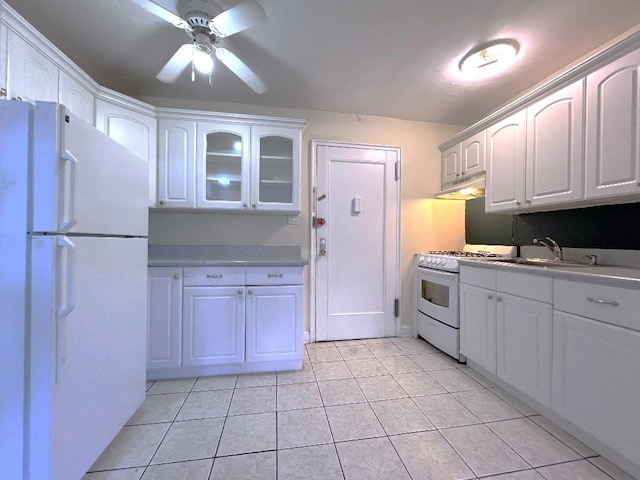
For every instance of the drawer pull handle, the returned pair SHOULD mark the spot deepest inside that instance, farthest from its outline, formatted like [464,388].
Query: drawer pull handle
[275,275]
[215,275]
[603,302]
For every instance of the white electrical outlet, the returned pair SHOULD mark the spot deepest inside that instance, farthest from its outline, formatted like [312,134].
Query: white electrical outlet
[293,219]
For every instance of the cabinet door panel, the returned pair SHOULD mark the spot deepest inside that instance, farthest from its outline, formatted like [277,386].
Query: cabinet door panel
[222,166]
[275,169]
[450,164]
[506,164]
[274,323]
[524,345]
[472,155]
[76,97]
[613,129]
[164,310]
[596,380]
[554,147]
[176,163]
[30,75]
[478,326]
[213,329]
[133,130]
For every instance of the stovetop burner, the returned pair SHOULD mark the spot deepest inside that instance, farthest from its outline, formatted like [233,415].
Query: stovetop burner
[447,259]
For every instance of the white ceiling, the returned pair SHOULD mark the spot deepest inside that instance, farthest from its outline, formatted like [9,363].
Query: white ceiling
[392,58]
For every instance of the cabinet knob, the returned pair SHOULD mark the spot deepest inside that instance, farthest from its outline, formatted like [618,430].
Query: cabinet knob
[215,275]
[518,202]
[240,292]
[249,292]
[161,202]
[528,201]
[244,205]
[176,277]
[275,275]
[3,92]
[498,299]
[254,205]
[490,297]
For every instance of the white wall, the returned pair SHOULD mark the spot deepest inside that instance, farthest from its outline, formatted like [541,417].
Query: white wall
[425,223]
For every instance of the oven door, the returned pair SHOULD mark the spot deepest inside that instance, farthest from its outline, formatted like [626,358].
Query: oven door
[438,295]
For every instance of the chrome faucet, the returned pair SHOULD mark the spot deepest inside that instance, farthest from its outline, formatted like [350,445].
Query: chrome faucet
[551,245]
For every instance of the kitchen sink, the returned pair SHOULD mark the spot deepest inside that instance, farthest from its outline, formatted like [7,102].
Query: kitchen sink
[542,262]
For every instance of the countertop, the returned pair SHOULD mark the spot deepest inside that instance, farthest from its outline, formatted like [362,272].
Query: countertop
[224,255]
[601,274]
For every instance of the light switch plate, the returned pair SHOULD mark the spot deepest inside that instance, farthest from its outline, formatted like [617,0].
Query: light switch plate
[293,219]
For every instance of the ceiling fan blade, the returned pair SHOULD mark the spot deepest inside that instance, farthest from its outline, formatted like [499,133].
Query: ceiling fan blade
[241,69]
[237,19]
[162,13]
[176,64]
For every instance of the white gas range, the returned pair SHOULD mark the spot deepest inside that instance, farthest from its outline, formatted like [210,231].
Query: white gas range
[438,320]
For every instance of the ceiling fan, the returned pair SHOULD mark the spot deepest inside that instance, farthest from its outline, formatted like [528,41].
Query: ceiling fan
[206,23]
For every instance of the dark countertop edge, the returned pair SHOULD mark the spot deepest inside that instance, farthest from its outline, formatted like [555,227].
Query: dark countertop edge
[227,262]
[608,275]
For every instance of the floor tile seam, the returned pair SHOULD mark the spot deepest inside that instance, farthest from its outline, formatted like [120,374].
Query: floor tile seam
[463,406]
[588,459]
[566,462]
[550,433]
[499,438]
[562,441]
[155,452]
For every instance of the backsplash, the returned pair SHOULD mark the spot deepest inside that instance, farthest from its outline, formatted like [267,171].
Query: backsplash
[612,231]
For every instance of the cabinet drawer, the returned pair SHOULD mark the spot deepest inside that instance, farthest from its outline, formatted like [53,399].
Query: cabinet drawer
[213,276]
[615,305]
[534,287]
[274,275]
[480,277]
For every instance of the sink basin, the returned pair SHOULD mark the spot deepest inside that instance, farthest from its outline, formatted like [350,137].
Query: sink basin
[542,262]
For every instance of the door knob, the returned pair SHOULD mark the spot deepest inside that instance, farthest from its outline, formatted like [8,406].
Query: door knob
[323,247]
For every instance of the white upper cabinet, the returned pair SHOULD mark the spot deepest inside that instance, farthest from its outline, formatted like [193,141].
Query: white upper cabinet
[554,157]
[3,61]
[613,129]
[176,163]
[275,169]
[535,156]
[506,150]
[73,95]
[247,167]
[464,160]
[31,75]
[450,164]
[133,129]
[223,155]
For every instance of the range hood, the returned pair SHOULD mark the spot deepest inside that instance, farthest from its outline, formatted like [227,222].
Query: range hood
[472,187]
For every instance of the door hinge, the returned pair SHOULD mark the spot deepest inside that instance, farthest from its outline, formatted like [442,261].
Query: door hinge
[397,171]
[396,307]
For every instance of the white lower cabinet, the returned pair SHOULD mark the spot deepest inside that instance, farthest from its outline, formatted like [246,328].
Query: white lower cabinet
[478,325]
[596,380]
[164,312]
[274,331]
[524,345]
[506,329]
[227,320]
[213,326]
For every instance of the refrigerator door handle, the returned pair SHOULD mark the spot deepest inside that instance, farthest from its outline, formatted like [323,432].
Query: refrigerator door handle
[68,191]
[67,295]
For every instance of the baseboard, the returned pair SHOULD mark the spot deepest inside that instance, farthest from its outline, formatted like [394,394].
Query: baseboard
[305,337]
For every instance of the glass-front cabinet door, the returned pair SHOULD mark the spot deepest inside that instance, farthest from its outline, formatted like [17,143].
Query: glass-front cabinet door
[223,168]
[275,169]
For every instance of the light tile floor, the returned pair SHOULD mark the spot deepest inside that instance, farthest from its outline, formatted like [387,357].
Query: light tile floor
[365,409]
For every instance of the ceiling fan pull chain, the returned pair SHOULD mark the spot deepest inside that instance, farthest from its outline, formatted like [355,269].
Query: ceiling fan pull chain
[211,78]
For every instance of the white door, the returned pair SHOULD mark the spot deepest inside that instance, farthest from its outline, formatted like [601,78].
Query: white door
[164,317]
[356,250]
[478,325]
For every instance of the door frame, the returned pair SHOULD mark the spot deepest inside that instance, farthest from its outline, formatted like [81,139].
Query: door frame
[313,234]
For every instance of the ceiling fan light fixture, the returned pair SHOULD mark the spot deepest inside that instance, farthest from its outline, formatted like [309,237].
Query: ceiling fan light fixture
[489,58]
[202,60]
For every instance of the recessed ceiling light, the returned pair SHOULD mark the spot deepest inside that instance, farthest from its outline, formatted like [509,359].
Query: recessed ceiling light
[490,57]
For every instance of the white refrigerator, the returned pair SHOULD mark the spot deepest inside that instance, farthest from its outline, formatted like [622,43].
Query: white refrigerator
[73,263]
